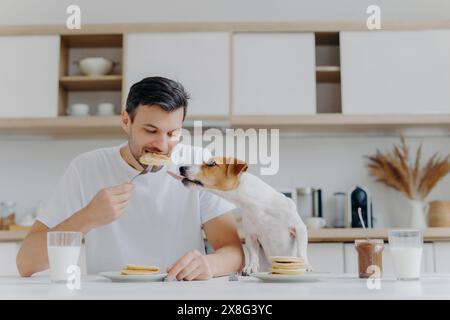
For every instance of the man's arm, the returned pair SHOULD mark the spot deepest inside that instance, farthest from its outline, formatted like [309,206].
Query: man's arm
[228,257]
[32,256]
[106,206]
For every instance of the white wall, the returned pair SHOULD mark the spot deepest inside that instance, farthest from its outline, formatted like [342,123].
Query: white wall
[14,12]
[30,169]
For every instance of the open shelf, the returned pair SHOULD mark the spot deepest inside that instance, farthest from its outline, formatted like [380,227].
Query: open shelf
[92,41]
[327,38]
[87,83]
[72,84]
[328,74]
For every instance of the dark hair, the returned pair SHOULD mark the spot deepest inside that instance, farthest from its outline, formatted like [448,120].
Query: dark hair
[165,93]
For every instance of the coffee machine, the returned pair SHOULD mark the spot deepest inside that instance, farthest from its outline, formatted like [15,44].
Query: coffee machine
[359,197]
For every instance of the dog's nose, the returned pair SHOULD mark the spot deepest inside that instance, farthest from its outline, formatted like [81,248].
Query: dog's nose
[183,171]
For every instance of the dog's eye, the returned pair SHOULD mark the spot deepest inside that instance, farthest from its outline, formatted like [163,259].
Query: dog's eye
[211,164]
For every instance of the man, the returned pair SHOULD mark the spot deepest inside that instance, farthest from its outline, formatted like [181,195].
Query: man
[155,220]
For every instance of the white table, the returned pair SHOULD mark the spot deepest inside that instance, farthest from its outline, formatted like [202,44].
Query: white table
[431,286]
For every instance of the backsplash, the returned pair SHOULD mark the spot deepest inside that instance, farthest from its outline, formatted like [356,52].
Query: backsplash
[29,169]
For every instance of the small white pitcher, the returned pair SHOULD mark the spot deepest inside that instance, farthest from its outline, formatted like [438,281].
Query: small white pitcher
[418,214]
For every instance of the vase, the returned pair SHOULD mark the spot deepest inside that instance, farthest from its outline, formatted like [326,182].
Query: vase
[418,212]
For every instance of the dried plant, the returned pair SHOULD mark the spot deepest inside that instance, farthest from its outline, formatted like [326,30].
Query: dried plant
[394,170]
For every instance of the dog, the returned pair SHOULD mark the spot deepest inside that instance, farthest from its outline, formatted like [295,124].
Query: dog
[270,219]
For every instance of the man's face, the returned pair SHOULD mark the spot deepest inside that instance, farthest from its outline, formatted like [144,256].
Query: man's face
[153,130]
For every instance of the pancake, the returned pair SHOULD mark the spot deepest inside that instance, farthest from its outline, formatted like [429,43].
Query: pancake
[137,272]
[154,159]
[287,272]
[132,269]
[141,267]
[287,265]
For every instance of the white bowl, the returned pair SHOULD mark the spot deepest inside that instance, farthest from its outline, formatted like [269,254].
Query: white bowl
[95,66]
[105,109]
[78,110]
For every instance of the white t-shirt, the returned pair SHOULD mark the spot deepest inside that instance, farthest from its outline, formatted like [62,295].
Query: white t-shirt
[161,223]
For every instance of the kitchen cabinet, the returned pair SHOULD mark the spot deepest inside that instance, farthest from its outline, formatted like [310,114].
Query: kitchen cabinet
[442,256]
[200,61]
[274,74]
[29,68]
[351,259]
[326,257]
[8,253]
[395,72]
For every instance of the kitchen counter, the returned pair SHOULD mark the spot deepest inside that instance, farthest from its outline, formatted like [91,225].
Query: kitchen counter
[316,235]
[431,286]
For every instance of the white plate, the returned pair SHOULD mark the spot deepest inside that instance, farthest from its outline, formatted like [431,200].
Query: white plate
[307,277]
[116,276]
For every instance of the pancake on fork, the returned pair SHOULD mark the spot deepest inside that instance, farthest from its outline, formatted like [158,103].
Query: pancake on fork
[154,159]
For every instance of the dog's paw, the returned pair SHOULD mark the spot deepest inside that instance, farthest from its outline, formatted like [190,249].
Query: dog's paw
[251,268]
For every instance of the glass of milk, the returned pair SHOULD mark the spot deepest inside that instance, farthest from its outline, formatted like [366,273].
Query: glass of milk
[63,250]
[406,249]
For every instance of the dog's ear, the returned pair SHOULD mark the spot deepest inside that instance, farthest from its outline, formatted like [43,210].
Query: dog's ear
[236,167]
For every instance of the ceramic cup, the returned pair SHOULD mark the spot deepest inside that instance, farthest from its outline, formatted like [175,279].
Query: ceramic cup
[105,109]
[78,109]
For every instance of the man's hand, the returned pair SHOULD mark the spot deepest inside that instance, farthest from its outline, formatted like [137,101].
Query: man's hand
[108,205]
[192,266]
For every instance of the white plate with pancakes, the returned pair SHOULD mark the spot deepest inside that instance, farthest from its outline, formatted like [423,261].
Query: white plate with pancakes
[135,273]
[116,276]
[270,277]
[286,269]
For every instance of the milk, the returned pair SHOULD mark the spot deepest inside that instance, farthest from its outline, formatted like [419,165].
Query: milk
[60,258]
[407,262]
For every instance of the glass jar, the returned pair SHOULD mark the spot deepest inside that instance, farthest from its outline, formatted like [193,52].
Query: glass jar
[370,257]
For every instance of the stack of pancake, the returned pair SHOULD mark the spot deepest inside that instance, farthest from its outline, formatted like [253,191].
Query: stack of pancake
[287,265]
[131,269]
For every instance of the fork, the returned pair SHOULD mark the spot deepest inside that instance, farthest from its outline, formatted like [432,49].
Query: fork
[145,171]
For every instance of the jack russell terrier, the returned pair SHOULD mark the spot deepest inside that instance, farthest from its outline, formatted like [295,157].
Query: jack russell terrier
[270,220]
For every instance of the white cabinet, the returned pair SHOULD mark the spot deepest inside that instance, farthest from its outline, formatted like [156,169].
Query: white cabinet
[8,252]
[351,259]
[395,72]
[200,61]
[326,257]
[442,256]
[274,74]
[29,69]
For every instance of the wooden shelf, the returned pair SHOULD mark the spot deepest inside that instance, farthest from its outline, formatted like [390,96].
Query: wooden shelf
[328,74]
[349,235]
[274,26]
[314,235]
[109,127]
[88,83]
[327,38]
[331,122]
[64,126]
[93,41]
